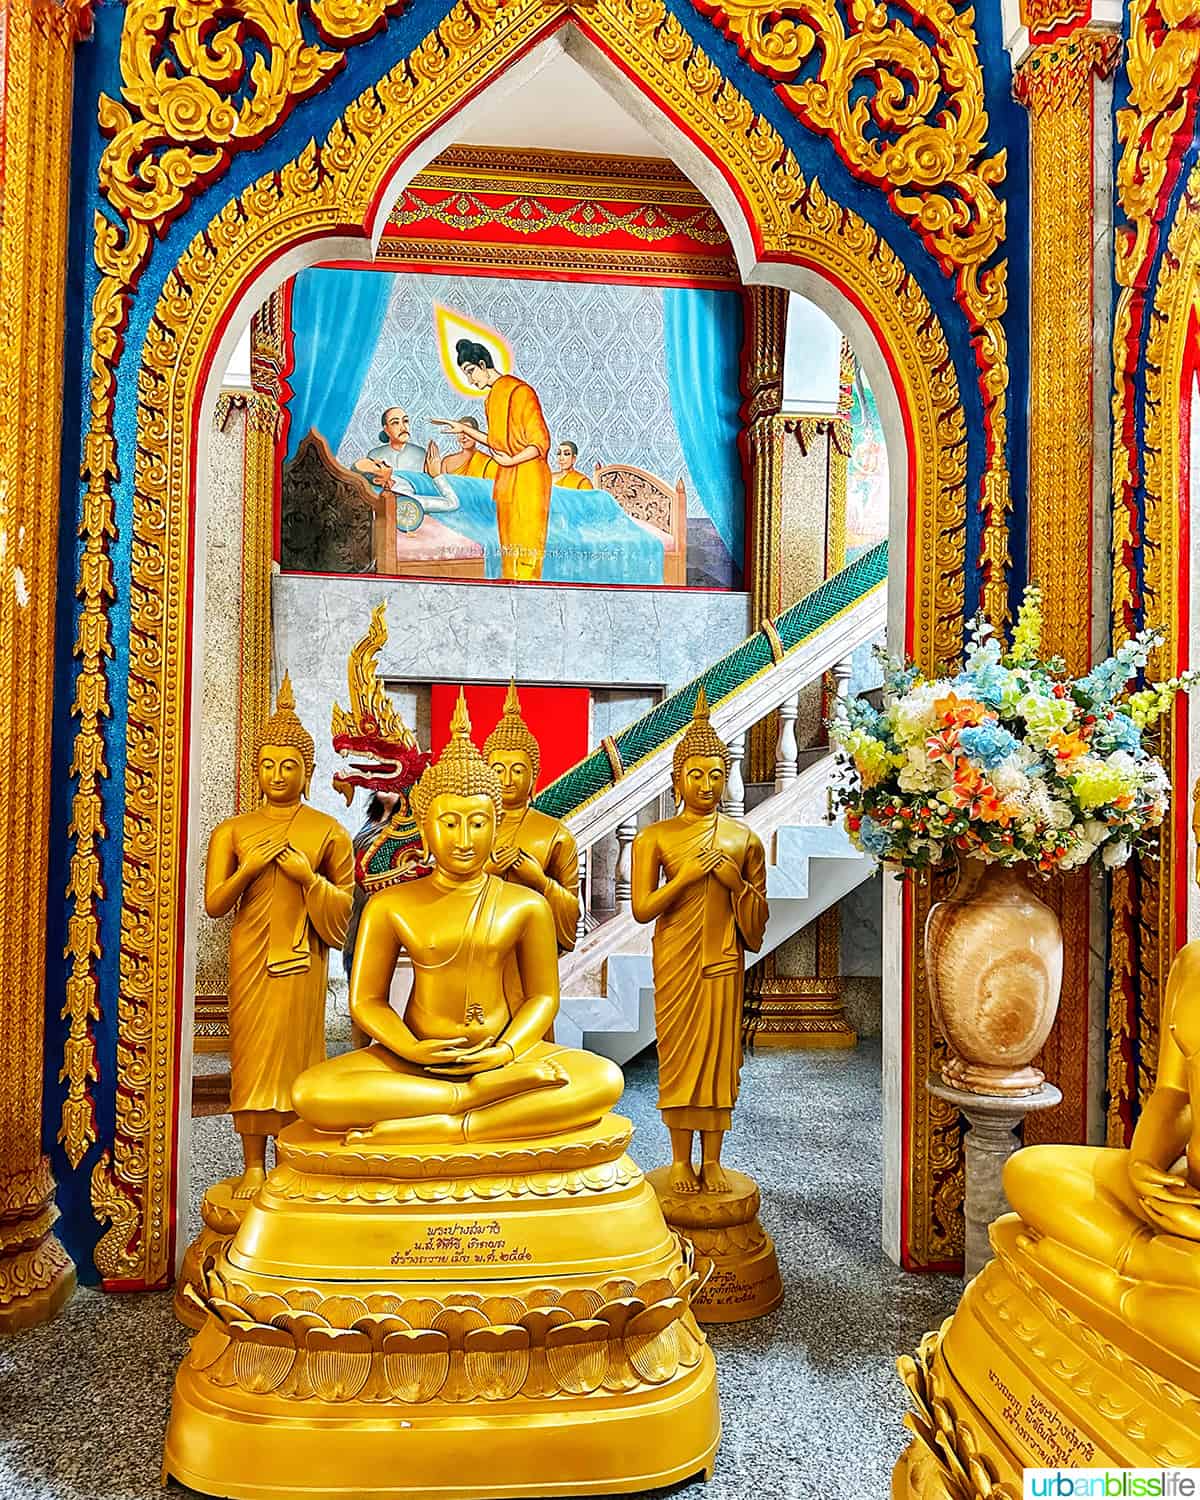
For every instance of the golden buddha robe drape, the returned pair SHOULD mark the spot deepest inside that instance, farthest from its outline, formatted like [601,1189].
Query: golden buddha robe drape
[522,492]
[551,844]
[699,958]
[278,959]
[573,480]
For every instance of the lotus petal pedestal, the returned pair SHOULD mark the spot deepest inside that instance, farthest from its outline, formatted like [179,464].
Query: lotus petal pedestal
[726,1236]
[1030,1372]
[494,1320]
[221,1215]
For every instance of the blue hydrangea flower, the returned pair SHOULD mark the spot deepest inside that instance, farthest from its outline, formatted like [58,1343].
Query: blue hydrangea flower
[987,744]
[873,837]
[1118,733]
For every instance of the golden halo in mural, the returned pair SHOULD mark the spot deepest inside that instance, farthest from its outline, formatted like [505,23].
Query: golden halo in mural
[450,325]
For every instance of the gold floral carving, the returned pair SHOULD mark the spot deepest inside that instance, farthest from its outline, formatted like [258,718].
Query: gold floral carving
[1043,15]
[903,102]
[1162,65]
[326,188]
[1055,83]
[38,46]
[951,1444]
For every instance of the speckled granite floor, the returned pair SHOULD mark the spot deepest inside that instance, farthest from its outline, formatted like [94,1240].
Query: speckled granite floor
[811,1403]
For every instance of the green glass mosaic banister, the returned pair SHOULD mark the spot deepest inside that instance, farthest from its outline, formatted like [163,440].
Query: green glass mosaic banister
[653,730]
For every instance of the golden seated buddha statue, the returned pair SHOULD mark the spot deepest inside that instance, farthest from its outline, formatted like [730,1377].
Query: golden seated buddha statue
[1078,1346]
[455,1280]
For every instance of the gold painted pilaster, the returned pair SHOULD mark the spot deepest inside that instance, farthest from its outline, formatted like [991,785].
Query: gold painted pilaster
[762,437]
[36,1274]
[1056,85]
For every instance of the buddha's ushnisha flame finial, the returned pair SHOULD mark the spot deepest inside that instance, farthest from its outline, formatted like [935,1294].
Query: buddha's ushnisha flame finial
[285,728]
[512,732]
[699,738]
[459,770]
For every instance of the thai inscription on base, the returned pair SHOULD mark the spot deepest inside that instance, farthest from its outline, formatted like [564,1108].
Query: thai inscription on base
[459,1242]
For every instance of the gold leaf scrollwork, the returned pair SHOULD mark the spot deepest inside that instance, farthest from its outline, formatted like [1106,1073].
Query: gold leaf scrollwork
[903,103]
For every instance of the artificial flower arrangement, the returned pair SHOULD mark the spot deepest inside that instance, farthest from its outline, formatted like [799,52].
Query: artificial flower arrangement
[1009,761]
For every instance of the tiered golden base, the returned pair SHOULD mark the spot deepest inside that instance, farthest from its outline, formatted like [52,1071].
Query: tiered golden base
[221,1214]
[1031,1373]
[725,1234]
[495,1320]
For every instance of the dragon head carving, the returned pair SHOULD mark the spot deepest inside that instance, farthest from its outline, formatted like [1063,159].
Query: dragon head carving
[379,752]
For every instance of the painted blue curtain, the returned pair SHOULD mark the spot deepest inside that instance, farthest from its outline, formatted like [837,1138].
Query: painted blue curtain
[336,319]
[702,332]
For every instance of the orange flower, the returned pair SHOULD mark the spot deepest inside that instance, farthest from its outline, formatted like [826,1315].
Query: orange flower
[942,746]
[959,712]
[1068,746]
[977,798]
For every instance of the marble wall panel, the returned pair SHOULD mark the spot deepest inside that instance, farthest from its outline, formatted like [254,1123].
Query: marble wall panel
[641,641]
[222,654]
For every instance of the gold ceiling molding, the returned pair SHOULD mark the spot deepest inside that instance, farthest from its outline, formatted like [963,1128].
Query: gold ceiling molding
[904,103]
[520,169]
[323,191]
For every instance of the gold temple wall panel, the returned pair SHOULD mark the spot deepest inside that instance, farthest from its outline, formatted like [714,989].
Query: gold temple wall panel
[331,188]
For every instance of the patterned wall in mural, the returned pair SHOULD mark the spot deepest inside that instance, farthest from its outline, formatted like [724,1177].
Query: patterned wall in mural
[594,354]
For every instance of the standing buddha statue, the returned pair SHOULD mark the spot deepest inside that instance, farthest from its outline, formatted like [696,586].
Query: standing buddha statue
[710,907]
[289,871]
[532,848]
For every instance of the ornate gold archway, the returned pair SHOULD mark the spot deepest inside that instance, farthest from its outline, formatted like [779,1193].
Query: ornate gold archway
[334,189]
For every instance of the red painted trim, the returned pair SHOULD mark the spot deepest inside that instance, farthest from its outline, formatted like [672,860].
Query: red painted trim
[528,273]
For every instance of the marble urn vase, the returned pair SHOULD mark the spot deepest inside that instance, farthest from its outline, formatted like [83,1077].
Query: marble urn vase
[993,953]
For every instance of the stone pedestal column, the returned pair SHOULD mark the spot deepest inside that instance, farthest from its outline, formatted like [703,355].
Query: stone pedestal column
[993,1120]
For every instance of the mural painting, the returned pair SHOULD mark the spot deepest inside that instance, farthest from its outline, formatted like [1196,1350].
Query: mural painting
[528,430]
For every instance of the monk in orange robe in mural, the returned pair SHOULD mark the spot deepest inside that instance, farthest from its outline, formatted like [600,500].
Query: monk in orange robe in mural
[568,476]
[469,460]
[519,441]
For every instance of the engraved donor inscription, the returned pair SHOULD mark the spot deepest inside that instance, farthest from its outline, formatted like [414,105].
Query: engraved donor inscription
[1042,1428]
[477,1242]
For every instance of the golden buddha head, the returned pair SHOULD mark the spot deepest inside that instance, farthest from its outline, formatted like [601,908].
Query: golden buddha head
[457,803]
[700,765]
[284,753]
[512,754]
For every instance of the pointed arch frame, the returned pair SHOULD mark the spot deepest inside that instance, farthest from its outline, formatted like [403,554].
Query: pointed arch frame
[340,190]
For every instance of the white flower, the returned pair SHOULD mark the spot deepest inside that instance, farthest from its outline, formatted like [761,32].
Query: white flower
[1009,779]
[912,716]
[1116,853]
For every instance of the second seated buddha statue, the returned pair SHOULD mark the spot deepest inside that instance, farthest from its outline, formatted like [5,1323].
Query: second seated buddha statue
[1079,1344]
[455,1280]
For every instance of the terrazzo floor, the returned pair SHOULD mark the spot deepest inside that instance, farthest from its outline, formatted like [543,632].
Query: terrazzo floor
[810,1400]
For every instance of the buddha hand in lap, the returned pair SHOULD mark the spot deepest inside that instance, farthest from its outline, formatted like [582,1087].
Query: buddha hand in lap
[460,1065]
[1124,1226]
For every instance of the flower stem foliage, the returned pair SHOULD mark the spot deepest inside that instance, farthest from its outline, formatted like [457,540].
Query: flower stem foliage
[1009,759]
